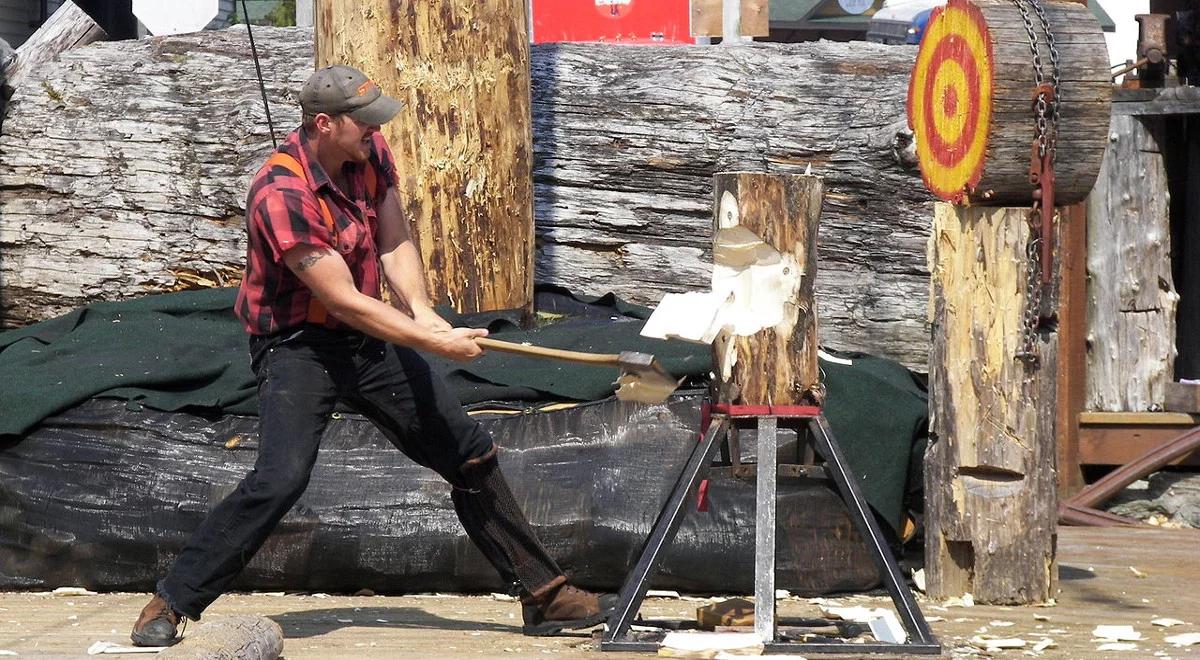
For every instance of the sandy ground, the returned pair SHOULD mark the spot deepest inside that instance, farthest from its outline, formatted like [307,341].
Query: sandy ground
[1106,577]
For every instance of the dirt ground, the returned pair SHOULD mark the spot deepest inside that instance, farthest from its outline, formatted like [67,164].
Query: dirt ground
[1106,577]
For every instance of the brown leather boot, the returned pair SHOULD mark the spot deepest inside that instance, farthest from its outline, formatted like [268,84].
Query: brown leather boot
[157,625]
[564,606]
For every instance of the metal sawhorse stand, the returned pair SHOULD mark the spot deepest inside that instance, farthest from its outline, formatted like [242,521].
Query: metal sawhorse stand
[767,420]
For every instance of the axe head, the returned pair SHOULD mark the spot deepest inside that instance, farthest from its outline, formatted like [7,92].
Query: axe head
[643,379]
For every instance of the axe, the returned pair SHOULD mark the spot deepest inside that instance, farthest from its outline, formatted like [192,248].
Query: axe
[642,378]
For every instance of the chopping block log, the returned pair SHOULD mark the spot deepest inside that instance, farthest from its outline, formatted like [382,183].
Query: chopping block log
[989,471]
[764,265]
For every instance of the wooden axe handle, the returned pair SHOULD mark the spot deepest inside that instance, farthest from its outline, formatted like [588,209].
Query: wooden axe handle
[609,359]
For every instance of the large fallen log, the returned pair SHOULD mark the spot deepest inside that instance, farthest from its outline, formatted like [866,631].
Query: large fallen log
[591,479]
[125,172]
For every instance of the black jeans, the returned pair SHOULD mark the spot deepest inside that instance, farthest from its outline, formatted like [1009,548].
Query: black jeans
[301,375]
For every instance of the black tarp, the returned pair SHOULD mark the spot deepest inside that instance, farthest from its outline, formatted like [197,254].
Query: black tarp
[104,497]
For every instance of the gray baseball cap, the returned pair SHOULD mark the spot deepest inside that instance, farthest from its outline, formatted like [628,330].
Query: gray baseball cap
[339,89]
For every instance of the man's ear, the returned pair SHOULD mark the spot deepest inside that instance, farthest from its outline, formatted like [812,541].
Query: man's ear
[323,122]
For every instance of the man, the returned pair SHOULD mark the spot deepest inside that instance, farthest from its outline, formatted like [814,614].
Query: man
[323,221]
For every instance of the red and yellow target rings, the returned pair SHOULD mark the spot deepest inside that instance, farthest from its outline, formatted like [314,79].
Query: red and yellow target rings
[950,99]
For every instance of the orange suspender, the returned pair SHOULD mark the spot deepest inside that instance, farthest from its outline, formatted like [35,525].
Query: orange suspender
[316,311]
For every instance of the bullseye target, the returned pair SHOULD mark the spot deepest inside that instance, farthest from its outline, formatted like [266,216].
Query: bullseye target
[950,100]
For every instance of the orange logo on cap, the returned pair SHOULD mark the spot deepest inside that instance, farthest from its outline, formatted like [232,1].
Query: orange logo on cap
[366,87]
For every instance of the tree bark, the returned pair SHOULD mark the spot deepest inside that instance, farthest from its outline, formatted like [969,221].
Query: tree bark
[989,471]
[765,253]
[130,178]
[1131,297]
[463,144]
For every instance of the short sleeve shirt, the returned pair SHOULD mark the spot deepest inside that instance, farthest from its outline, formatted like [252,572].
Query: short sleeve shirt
[284,211]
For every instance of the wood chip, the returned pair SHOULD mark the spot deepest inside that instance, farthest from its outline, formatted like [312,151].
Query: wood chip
[995,643]
[1044,644]
[1116,633]
[1167,623]
[1117,646]
[1186,639]
[1136,572]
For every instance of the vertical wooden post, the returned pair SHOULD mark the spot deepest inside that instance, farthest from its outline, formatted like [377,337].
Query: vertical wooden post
[463,144]
[989,472]
[1072,337]
[765,258]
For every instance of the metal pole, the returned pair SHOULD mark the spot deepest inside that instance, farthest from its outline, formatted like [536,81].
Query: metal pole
[764,530]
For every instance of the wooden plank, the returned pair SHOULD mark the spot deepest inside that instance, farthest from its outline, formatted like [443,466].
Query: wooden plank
[1139,419]
[756,18]
[1072,356]
[627,141]
[708,15]
[1122,444]
[464,141]
[69,27]
[990,489]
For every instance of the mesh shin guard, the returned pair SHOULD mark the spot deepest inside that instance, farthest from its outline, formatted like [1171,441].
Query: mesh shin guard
[495,524]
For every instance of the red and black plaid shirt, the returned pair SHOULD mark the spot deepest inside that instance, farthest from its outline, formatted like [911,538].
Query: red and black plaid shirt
[282,212]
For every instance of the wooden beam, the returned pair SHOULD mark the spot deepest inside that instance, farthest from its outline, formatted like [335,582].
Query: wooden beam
[1120,444]
[1072,337]
[463,144]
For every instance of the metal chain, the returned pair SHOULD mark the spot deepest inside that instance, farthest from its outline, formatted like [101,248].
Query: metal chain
[1052,137]
[1028,352]
[1047,118]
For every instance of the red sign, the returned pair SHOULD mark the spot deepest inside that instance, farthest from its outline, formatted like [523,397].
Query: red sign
[623,21]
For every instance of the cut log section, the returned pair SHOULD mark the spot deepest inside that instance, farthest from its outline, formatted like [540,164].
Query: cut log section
[764,266]
[989,472]
[970,101]
[230,638]
[462,144]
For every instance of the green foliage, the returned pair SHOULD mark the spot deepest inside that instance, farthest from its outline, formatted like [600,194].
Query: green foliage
[281,14]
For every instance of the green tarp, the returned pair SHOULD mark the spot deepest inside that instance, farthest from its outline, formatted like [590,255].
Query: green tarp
[187,352]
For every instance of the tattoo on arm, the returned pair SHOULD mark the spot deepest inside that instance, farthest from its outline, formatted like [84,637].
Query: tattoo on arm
[307,262]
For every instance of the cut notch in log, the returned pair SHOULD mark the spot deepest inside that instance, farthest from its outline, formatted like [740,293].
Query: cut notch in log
[765,264]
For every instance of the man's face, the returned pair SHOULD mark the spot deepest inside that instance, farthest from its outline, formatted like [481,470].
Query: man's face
[352,137]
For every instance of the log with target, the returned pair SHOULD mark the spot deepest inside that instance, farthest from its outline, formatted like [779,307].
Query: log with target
[971,97]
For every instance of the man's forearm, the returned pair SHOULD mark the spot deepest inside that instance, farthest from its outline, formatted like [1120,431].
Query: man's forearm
[403,271]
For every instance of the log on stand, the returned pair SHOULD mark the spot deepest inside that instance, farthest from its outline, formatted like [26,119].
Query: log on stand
[463,144]
[989,472]
[765,254]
